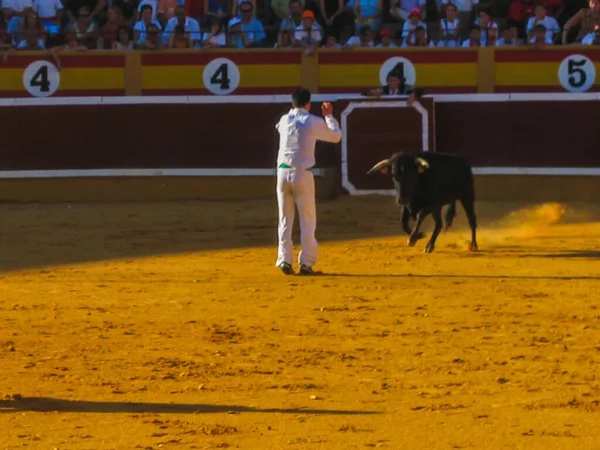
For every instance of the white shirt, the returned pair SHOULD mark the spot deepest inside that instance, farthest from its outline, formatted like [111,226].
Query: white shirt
[406,44]
[191,26]
[299,131]
[153,3]
[449,29]
[392,45]
[300,34]
[589,39]
[501,42]
[354,41]
[467,43]
[141,27]
[17,5]
[549,22]
[408,27]
[462,5]
[47,8]
[219,39]
[547,40]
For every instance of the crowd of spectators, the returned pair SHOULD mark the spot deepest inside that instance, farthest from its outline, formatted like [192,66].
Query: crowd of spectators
[162,24]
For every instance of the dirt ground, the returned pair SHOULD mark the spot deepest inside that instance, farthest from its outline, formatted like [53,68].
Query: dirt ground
[166,325]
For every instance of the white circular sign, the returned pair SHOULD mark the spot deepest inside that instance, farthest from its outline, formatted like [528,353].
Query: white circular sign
[221,76]
[41,78]
[577,73]
[401,65]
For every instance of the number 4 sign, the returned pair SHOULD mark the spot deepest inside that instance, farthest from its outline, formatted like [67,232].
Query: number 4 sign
[221,76]
[577,73]
[41,78]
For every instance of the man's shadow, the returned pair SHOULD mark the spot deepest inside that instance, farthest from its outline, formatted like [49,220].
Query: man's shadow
[44,404]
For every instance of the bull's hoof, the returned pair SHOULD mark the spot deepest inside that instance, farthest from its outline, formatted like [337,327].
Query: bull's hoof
[429,248]
[411,242]
[473,247]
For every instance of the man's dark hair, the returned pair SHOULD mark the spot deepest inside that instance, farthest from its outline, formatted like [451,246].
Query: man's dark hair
[300,97]
[145,6]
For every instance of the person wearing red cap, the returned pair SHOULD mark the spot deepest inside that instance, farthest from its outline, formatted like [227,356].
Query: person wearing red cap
[414,21]
[308,34]
[386,39]
[402,9]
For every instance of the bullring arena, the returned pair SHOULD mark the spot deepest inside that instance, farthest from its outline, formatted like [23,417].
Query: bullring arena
[140,306]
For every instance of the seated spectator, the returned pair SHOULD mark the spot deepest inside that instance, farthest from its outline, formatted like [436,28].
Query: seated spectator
[283,9]
[450,28]
[252,28]
[128,11]
[509,36]
[309,34]
[540,37]
[216,36]
[592,38]
[290,23]
[216,10]
[331,42]
[141,27]
[97,8]
[236,37]
[403,9]
[153,4]
[191,26]
[541,18]
[586,18]
[72,44]
[519,12]
[167,10]
[180,38]
[48,12]
[474,37]
[124,39]
[419,39]
[414,21]
[386,39]
[30,42]
[152,38]
[28,22]
[488,28]
[396,85]
[368,13]
[108,34]
[466,10]
[364,38]
[85,28]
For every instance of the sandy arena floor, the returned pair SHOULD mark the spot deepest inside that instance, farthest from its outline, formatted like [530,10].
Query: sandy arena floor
[126,326]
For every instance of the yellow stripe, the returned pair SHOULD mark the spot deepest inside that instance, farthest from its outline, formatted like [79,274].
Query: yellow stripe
[251,76]
[71,78]
[530,74]
[461,74]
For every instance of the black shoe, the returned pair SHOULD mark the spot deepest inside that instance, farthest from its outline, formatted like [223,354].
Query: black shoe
[286,268]
[305,270]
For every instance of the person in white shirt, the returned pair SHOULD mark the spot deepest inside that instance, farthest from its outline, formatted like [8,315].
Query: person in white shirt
[540,18]
[419,39]
[190,26]
[592,38]
[509,37]
[474,37]
[450,28]
[309,33]
[140,29]
[152,3]
[408,29]
[488,29]
[465,10]
[364,38]
[386,39]
[216,37]
[298,133]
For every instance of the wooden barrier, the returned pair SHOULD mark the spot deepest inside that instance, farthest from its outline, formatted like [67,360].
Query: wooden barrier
[270,71]
[522,146]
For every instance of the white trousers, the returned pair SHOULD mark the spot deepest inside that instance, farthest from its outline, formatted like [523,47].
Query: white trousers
[296,188]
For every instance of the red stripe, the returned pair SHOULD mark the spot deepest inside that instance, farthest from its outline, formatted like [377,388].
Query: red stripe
[68,93]
[534,89]
[201,59]
[430,90]
[549,55]
[443,56]
[240,91]
[66,61]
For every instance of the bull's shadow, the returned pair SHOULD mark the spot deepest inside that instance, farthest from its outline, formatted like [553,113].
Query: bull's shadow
[45,404]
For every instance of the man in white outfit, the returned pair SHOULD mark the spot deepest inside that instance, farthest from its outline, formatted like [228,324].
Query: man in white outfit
[298,133]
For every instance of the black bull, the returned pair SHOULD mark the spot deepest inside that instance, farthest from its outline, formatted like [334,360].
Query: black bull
[426,182]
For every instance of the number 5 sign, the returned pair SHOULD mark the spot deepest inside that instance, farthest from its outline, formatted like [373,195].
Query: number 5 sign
[221,76]
[577,73]
[41,78]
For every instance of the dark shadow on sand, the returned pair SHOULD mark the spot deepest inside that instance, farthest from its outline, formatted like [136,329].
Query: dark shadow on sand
[580,254]
[44,404]
[458,276]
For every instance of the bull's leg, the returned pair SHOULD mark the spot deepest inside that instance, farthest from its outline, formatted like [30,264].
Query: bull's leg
[405,226]
[415,235]
[468,205]
[450,214]
[437,217]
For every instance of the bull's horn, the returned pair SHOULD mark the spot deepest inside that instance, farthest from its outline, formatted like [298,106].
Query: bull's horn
[422,163]
[380,165]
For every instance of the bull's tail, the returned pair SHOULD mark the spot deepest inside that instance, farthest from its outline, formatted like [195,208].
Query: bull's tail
[450,215]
